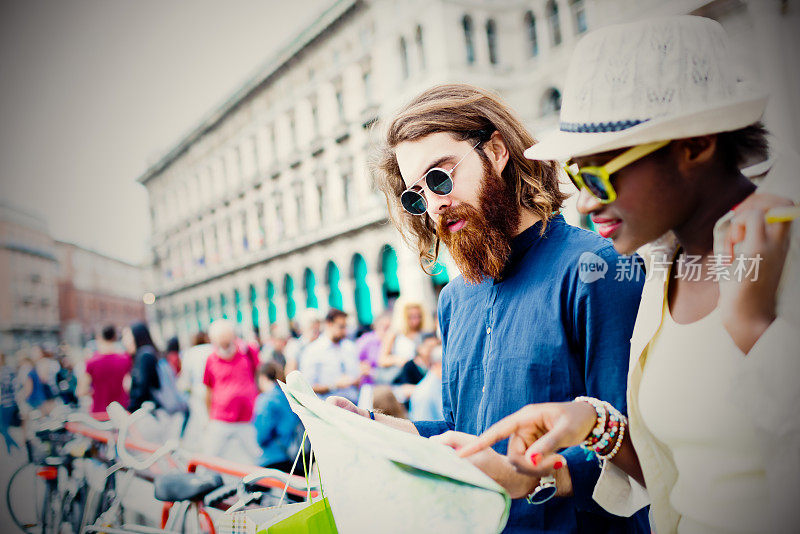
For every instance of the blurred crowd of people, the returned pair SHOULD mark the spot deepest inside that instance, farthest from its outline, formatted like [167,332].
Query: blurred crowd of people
[220,395]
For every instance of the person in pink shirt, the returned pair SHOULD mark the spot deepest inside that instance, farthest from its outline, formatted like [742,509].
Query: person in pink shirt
[106,371]
[231,392]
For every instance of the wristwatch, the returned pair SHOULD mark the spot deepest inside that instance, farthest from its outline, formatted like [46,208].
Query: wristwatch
[545,491]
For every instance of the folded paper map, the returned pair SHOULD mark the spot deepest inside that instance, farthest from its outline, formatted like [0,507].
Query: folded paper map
[380,479]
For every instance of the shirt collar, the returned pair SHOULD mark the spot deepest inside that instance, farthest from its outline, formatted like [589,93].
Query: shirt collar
[521,243]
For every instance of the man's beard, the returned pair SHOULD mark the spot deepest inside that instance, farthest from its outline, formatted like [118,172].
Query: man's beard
[482,247]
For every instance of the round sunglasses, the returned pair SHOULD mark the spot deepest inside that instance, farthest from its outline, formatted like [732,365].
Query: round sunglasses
[439,181]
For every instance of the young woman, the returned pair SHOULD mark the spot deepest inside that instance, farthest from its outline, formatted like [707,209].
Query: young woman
[139,344]
[656,126]
[400,345]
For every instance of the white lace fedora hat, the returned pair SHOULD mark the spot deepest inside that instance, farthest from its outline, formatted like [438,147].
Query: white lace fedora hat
[651,80]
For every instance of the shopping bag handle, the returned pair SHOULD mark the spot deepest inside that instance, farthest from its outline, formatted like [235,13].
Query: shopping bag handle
[306,470]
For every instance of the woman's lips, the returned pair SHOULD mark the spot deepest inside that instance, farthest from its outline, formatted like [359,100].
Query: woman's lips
[607,227]
[455,226]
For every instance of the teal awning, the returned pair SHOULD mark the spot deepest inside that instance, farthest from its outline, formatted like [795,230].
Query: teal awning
[362,297]
[223,304]
[310,284]
[334,293]
[288,290]
[391,284]
[440,276]
[272,310]
[237,302]
[254,306]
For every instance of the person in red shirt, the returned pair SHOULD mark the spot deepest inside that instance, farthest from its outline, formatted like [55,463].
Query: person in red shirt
[106,371]
[231,392]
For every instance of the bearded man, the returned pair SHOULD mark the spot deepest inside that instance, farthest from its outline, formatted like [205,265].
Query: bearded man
[542,312]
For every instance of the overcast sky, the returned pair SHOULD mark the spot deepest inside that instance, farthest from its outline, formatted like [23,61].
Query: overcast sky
[92,91]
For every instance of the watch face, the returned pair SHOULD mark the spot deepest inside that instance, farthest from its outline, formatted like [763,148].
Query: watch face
[542,493]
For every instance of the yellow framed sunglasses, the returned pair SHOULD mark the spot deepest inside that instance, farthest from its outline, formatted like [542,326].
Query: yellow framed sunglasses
[598,179]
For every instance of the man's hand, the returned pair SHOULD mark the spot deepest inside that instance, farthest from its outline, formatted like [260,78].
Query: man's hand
[345,404]
[493,464]
[401,424]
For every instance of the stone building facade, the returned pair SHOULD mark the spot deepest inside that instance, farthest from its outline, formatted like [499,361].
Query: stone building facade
[267,207]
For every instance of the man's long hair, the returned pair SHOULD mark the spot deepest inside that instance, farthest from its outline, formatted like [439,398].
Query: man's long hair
[471,114]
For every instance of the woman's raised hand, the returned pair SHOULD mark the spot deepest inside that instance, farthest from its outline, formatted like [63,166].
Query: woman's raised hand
[536,433]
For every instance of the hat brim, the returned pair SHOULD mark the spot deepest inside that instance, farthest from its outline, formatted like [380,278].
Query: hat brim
[724,117]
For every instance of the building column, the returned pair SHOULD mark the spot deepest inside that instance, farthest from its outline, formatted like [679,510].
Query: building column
[247,310]
[348,288]
[375,285]
[280,303]
[415,284]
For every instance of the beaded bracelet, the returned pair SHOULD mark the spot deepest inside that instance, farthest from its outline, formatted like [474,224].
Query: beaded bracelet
[608,440]
[618,444]
[599,429]
[606,437]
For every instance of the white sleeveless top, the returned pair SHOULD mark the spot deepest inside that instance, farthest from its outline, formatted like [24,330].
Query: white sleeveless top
[685,402]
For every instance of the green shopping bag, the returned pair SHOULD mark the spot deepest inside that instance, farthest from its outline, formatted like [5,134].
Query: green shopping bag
[310,517]
[316,517]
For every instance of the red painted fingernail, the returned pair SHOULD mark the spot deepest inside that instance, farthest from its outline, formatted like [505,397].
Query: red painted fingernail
[535,457]
[558,465]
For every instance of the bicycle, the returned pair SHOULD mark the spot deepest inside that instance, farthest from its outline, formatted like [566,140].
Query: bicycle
[52,480]
[110,506]
[187,496]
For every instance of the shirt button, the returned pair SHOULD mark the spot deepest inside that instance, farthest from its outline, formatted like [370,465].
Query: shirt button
[488,330]
[483,389]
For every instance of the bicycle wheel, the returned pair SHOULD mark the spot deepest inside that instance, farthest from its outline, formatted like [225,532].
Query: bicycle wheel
[51,509]
[109,511]
[72,511]
[25,494]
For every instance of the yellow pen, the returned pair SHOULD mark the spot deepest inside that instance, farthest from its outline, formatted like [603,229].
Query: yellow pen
[783,214]
[774,215]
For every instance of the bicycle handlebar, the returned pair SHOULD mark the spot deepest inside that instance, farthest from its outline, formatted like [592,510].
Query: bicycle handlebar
[121,419]
[88,420]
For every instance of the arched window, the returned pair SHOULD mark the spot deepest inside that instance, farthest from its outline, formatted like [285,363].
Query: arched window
[347,191]
[237,303]
[300,207]
[310,285]
[533,39]
[332,279]
[551,102]
[578,9]
[198,307]
[466,22]
[555,23]
[362,297]
[322,200]
[391,284]
[420,47]
[223,305]
[211,312]
[440,276]
[272,310]
[254,307]
[288,291]
[404,58]
[491,39]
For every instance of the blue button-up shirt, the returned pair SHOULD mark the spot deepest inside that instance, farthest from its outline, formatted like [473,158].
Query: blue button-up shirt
[557,325]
